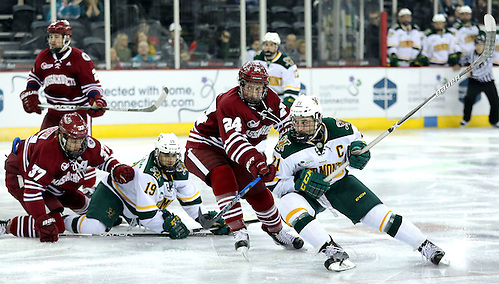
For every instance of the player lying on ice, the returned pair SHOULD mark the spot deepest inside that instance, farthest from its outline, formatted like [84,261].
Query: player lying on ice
[313,148]
[160,177]
[47,169]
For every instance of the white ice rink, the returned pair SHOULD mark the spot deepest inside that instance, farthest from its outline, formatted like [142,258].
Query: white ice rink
[444,180]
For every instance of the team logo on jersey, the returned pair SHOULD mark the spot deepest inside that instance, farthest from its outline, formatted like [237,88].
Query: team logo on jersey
[110,212]
[282,143]
[68,64]
[288,61]
[342,123]
[181,168]
[46,66]
[64,166]
[90,142]
[253,124]
[85,56]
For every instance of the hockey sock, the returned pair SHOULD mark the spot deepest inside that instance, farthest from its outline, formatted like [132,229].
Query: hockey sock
[23,226]
[84,225]
[311,230]
[225,188]
[76,201]
[262,202]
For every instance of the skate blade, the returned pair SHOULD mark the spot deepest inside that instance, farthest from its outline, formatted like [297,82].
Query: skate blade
[444,261]
[345,265]
[244,251]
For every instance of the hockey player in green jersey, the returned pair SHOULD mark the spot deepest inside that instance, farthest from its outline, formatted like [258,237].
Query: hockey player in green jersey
[313,148]
[283,73]
[160,178]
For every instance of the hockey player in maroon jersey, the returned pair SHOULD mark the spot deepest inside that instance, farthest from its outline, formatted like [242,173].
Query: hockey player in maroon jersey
[225,149]
[47,169]
[69,77]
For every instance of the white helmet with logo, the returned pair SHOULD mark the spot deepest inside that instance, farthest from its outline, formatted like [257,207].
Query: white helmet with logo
[306,106]
[167,143]
[272,37]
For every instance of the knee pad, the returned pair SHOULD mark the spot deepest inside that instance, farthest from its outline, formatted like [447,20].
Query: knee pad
[223,180]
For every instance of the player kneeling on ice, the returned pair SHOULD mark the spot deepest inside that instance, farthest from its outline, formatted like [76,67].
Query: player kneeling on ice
[313,148]
[160,177]
[47,169]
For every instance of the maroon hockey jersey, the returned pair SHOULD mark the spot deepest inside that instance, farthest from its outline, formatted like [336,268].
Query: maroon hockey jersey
[232,126]
[45,167]
[68,80]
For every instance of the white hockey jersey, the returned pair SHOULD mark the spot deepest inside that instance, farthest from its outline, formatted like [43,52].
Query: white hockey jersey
[495,55]
[290,156]
[437,47]
[151,190]
[283,74]
[406,44]
[465,36]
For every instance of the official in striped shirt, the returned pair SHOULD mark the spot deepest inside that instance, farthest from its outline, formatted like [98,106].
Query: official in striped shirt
[481,80]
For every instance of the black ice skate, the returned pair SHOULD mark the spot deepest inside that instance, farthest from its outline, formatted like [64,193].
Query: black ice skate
[433,253]
[338,259]
[242,243]
[285,239]
[3,226]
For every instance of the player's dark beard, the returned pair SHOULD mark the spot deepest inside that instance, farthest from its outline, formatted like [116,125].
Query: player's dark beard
[269,54]
[406,23]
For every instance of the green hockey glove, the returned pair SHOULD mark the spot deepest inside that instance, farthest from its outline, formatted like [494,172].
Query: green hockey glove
[312,183]
[219,227]
[358,161]
[394,60]
[288,101]
[174,226]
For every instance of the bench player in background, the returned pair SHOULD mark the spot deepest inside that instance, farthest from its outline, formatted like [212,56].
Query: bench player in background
[47,169]
[160,178]
[69,77]
[283,73]
[313,148]
[226,146]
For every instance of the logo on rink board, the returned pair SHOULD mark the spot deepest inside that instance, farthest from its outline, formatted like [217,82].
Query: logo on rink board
[1,100]
[385,93]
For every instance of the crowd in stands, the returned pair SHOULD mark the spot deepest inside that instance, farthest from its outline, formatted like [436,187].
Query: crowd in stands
[149,38]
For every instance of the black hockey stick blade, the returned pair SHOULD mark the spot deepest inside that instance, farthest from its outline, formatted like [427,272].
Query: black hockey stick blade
[150,108]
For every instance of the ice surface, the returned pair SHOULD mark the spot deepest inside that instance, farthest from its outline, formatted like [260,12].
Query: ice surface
[444,180]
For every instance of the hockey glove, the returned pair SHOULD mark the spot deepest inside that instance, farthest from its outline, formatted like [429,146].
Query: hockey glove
[358,161]
[312,183]
[122,173]
[30,101]
[97,101]
[174,226]
[257,166]
[288,101]
[454,58]
[46,227]
[219,227]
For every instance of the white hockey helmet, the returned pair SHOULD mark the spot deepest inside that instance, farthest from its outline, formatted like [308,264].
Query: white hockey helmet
[439,18]
[167,143]
[272,37]
[464,9]
[404,11]
[306,106]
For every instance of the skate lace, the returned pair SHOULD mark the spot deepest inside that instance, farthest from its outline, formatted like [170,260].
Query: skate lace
[3,227]
[241,235]
[334,252]
[285,237]
[429,250]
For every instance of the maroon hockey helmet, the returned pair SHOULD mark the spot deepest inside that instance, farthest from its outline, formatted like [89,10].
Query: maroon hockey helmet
[60,27]
[253,72]
[72,126]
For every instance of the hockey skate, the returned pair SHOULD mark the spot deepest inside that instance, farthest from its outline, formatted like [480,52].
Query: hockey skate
[285,239]
[3,226]
[242,242]
[338,259]
[433,253]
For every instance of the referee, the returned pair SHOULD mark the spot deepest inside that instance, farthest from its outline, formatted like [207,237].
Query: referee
[481,80]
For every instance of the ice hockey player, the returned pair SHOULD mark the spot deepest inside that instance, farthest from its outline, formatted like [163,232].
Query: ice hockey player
[69,77]
[160,178]
[226,148]
[312,149]
[283,73]
[47,169]
[403,40]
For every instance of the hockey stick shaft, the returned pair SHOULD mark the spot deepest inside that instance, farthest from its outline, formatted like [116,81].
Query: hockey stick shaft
[207,223]
[198,232]
[150,108]
[490,28]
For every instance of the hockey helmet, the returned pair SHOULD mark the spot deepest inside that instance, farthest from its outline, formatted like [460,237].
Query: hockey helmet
[465,9]
[404,11]
[63,28]
[73,135]
[256,73]
[305,107]
[438,18]
[167,143]
[272,37]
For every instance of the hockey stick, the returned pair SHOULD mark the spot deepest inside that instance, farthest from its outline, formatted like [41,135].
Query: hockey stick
[198,232]
[490,29]
[150,108]
[207,223]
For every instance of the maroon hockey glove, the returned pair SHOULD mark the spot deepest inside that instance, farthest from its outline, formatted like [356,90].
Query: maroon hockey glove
[257,165]
[46,227]
[122,173]
[97,101]
[271,175]
[30,101]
